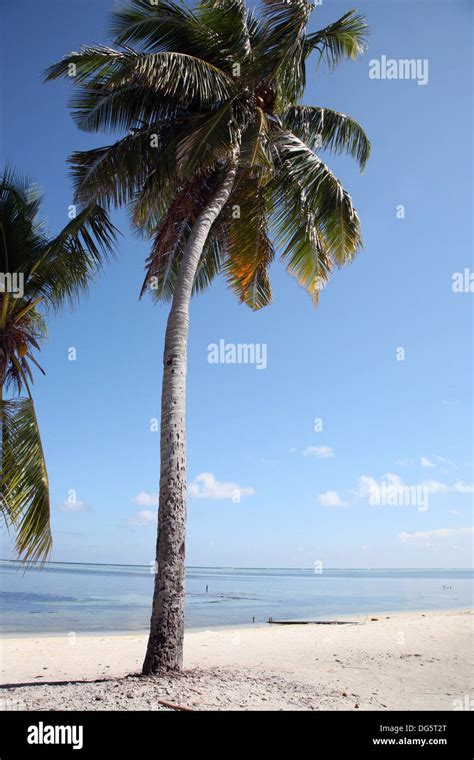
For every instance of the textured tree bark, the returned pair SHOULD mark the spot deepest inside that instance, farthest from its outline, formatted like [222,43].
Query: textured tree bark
[165,643]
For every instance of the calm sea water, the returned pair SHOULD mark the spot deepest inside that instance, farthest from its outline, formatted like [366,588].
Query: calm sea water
[79,597]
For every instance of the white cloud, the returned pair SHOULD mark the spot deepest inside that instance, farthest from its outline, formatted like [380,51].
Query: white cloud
[425,462]
[75,505]
[435,460]
[206,486]
[321,452]
[331,499]
[443,460]
[369,486]
[144,499]
[453,512]
[144,517]
[434,486]
[460,487]
[423,535]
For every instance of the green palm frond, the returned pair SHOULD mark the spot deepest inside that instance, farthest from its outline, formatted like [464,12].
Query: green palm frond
[167,26]
[255,149]
[279,56]
[249,251]
[53,270]
[345,38]
[284,23]
[22,234]
[335,131]
[155,26]
[322,195]
[24,492]
[227,21]
[113,174]
[123,108]
[303,249]
[211,138]
[117,89]
[158,191]
[72,259]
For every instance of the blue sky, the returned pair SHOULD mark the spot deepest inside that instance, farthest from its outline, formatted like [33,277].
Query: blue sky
[304,492]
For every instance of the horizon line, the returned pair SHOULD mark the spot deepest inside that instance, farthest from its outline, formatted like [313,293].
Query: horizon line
[223,567]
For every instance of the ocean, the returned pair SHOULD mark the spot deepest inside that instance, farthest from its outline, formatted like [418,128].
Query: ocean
[67,597]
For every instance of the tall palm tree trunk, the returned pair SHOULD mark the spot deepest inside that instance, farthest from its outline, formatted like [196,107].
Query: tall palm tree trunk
[165,643]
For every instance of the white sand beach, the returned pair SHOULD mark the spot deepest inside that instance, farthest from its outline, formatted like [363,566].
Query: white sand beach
[409,661]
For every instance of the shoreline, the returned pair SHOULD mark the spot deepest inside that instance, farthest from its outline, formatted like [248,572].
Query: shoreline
[231,626]
[408,660]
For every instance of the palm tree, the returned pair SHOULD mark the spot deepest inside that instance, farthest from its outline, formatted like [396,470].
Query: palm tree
[36,272]
[217,165]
